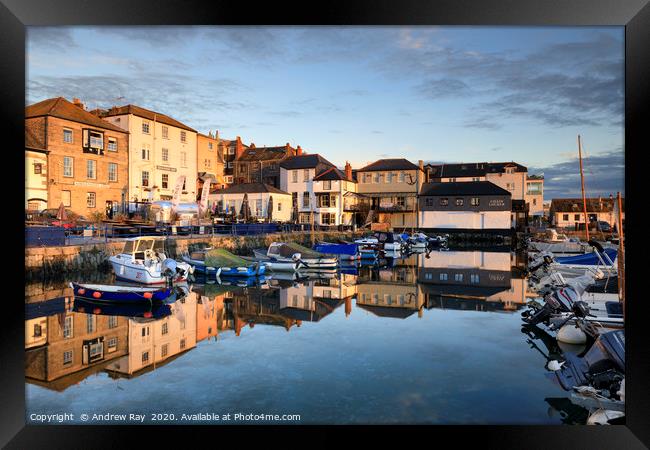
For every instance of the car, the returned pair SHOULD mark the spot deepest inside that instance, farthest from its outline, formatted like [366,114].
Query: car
[604,226]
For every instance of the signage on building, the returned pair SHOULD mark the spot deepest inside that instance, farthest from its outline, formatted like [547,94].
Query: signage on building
[90,184]
[169,169]
[496,202]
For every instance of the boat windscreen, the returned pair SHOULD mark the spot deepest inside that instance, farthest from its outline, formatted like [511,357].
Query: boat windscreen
[144,244]
[128,247]
[159,246]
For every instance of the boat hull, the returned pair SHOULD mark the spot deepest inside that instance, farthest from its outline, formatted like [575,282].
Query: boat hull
[138,273]
[120,294]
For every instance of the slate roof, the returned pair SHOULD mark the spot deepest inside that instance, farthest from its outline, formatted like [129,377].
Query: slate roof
[63,109]
[479,169]
[332,173]
[593,205]
[145,113]
[388,311]
[249,188]
[463,188]
[304,162]
[265,153]
[389,164]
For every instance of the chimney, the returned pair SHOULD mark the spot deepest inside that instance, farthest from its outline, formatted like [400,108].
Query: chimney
[77,103]
[421,165]
[298,151]
[348,170]
[239,148]
[252,145]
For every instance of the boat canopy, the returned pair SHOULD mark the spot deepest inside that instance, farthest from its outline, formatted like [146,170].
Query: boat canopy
[140,244]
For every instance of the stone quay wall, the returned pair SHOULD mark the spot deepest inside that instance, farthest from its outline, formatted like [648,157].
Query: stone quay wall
[48,262]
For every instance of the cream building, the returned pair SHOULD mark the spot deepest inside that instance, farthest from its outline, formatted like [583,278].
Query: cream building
[35,179]
[160,150]
[153,341]
[258,194]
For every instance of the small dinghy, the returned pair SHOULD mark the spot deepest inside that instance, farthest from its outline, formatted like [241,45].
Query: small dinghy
[144,310]
[313,260]
[345,251]
[590,259]
[230,265]
[122,294]
[276,265]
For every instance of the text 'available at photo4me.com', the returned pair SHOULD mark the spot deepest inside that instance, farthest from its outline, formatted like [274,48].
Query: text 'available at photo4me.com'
[135,418]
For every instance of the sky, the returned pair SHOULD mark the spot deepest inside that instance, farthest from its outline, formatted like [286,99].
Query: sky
[357,94]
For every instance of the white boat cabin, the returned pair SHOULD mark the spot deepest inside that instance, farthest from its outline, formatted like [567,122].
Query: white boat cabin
[145,248]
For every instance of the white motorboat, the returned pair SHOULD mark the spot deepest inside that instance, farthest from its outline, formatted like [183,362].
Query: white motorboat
[143,260]
[312,260]
[276,265]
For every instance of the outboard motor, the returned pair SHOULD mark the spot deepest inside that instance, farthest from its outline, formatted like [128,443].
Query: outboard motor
[560,300]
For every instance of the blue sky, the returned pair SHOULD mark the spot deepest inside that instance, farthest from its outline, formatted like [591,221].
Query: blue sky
[443,94]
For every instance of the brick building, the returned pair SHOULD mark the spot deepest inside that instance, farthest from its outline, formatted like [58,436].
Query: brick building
[87,157]
[262,164]
[230,150]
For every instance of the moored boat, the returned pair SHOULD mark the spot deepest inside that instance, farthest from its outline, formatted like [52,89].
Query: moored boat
[124,294]
[221,263]
[143,260]
[312,260]
[344,251]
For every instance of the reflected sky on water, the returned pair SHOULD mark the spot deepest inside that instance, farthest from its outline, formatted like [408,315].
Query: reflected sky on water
[417,340]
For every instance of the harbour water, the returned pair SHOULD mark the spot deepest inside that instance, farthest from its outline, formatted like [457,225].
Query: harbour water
[433,339]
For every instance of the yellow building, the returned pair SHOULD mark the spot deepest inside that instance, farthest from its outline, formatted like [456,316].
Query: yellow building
[209,162]
[35,179]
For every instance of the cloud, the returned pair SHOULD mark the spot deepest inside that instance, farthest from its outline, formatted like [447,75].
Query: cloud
[604,174]
[50,38]
[444,88]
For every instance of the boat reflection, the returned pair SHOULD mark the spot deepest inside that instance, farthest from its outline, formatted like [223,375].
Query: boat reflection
[68,339]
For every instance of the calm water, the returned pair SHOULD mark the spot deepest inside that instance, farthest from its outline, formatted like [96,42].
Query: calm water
[417,340]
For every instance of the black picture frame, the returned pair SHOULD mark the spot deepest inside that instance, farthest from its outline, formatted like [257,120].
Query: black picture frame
[15,15]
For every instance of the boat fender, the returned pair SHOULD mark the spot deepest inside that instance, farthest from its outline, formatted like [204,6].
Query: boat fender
[571,334]
[554,365]
[621,390]
[218,272]
[603,416]
[81,291]
[97,294]
[148,295]
[97,311]
[147,315]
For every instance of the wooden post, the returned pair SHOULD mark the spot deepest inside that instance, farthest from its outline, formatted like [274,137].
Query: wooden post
[582,182]
[621,254]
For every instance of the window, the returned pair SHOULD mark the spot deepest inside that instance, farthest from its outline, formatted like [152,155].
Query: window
[444,201]
[67,136]
[279,206]
[460,202]
[90,323]
[327,185]
[163,350]
[231,151]
[207,163]
[210,145]
[305,200]
[389,178]
[476,179]
[90,199]
[576,217]
[376,178]
[37,330]
[183,136]
[458,277]
[230,165]
[67,327]
[145,127]
[165,328]
[112,144]
[258,206]
[402,177]
[90,169]
[95,351]
[327,219]
[443,277]
[145,152]
[428,201]
[67,357]
[306,175]
[228,179]
[145,178]
[400,201]
[474,278]
[165,132]
[182,343]
[95,139]
[324,201]
[112,321]
[428,276]
[565,217]
[294,174]
[165,181]
[38,168]
[145,357]
[112,344]
[367,178]
[65,198]
[165,154]
[112,171]
[474,201]
[183,159]
[534,201]
[68,166]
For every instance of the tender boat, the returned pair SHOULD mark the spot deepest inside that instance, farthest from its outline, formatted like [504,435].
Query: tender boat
[143,260]
[345,251]
[145,310]
[312,260]
[123,294]
[275,265]
[222,263]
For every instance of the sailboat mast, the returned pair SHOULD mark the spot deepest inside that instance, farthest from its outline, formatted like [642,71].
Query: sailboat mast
[582,182]
[621,253]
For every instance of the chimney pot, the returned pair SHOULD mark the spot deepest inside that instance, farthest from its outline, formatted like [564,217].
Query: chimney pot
[298,151]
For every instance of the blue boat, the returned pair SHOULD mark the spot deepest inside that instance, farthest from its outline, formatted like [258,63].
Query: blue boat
[120,294]
[343,250]
[145,310]
[226,264]
[254,270]
[589,259]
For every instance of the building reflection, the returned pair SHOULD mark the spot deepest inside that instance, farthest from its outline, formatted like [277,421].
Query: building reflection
[68,339]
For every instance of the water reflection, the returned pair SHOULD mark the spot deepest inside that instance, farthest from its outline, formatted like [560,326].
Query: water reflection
[68,339]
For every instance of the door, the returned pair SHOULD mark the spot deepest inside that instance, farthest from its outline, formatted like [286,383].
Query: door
[109,209]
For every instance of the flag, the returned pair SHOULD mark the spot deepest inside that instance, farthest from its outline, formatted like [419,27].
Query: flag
[203,204]
[177,191]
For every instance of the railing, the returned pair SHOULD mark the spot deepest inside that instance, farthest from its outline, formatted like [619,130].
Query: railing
[57,236]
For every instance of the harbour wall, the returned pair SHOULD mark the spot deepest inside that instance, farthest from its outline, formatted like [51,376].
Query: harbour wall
[52,262]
